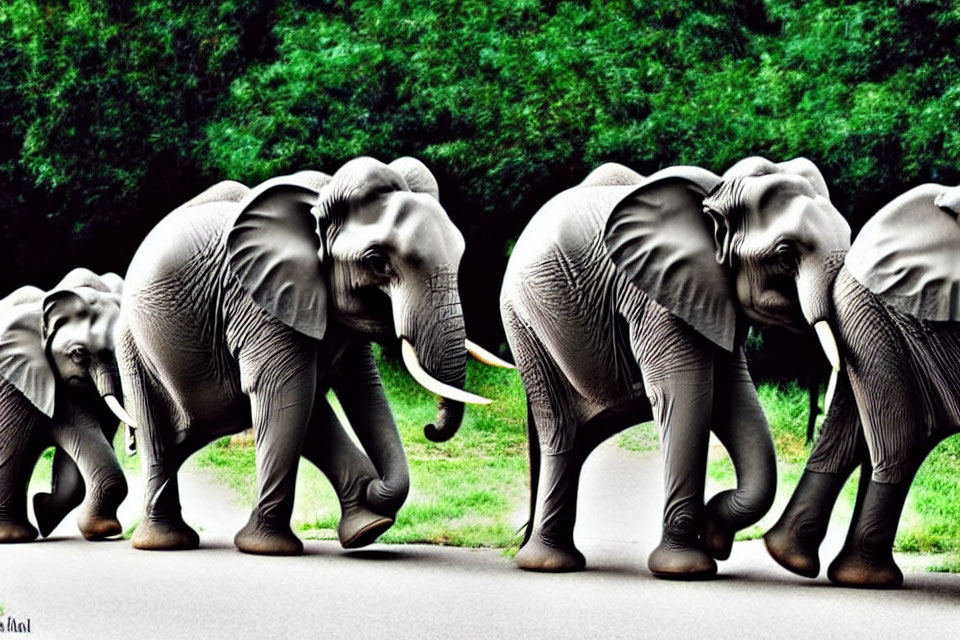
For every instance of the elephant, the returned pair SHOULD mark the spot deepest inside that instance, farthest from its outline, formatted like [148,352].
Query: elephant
[244,306]
[895,305]
[628,298]
[59,386]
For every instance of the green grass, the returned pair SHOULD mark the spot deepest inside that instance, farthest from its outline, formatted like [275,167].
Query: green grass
[931,521]
[469,491]
[642,437]
[931,517]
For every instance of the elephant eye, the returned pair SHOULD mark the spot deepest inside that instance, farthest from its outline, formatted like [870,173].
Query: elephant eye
[787,252]
[375,259]
[79,355]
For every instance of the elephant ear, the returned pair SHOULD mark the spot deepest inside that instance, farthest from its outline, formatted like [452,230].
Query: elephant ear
[273,249]
[659,237]
[23,362]
[908,254]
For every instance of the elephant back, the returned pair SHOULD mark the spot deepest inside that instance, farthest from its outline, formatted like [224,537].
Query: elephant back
[568,227]
[225,191]
[611,174]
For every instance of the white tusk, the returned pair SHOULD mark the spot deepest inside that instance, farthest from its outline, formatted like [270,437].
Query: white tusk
[118,410]
[485,356]
[831,388]
[430,383]
[829,344]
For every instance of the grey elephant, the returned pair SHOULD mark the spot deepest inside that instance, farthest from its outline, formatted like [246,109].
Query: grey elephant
[59,386]
[243,307]
[628,298]
[895,303]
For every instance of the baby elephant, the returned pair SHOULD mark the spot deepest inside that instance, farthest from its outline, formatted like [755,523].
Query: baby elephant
[58,384]
[896,308]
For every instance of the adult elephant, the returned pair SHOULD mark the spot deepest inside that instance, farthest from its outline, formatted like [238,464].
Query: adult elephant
[58,384]
[656,332]
[896,307]
[244,306]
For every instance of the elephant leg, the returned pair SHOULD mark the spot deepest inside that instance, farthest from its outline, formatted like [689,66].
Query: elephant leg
[84,442]
[550,546]
[16,467]
[741,426]
[19,448]
[682,404]
[677,365]
[794,541]
[349,470]
[66,494]
[555,461]
[161,526]
[280,417]
[866,559]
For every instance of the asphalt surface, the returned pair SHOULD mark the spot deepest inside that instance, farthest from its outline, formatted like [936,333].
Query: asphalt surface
[69,588]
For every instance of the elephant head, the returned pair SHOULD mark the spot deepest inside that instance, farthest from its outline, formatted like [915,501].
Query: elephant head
[371,250]
[762,241]
[64,338]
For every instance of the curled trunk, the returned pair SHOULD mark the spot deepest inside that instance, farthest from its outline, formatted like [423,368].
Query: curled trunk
[435,329]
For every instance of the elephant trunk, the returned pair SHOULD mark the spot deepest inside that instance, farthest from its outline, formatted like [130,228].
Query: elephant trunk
[433,349]
[387,494]
[106,378]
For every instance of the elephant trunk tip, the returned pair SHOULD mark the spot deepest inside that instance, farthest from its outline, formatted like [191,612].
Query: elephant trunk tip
[449,418]
[435,435]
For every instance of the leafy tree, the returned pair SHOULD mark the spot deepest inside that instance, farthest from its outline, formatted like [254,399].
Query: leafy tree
[118,111]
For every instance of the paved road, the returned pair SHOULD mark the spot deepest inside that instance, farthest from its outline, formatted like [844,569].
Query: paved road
[69,588]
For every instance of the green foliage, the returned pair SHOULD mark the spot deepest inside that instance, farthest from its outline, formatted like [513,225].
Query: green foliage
[118,111]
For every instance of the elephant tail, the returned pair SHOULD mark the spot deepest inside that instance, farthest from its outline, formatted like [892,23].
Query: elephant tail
[533,448]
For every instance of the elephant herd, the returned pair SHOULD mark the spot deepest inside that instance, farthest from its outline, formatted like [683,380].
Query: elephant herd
[627,298]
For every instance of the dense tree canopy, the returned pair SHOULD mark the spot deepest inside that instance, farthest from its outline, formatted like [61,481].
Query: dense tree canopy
[116,111]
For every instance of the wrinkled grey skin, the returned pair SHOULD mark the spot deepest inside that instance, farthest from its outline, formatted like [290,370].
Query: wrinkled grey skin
[896,311]
[625,300]
[244,307]
[56,362]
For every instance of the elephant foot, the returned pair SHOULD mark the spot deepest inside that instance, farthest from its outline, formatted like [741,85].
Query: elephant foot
[260,538]
[14,532]
[717,539]
[164,535]
[791,551]
[675,562]
[359,527]
[537,555]
[852,569]
[99,528]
